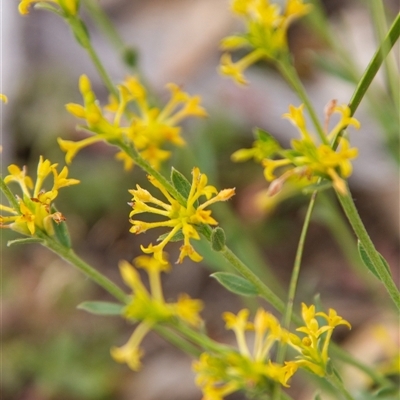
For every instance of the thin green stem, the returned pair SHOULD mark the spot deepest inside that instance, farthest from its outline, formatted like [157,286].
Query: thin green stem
[290,74]
[347,358]
[177,341]
[391,73]
[354,218]
[375,64]
[10,197]
[263,290]
[101,70]
[82,36]
[336,383]
[293,286]
[69,256]
[142,163]
[97,13]
[200,339]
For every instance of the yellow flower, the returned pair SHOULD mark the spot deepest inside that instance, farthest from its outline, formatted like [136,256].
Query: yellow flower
[306,159]
[149,307]
[34,208]
[3,98]
[228,371]
[69,7]
[130,353]
[182,219]
[265,34]
[313,347]
[147,128]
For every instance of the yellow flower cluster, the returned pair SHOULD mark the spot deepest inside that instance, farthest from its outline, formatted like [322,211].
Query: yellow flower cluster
[69,7]
[266,33]
[307,159]
[150,308]
[313,347]
[219,375]
[181,218]
[34,208]
[147,128]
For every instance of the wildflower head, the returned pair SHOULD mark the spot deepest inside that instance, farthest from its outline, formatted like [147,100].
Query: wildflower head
[69,7]
[183,220]
[307,159]
[33,210]
[246,369]
[148,307]
[265,34]
[147,128]
[313,346]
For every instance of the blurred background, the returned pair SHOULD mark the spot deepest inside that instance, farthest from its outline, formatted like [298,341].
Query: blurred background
[51,350]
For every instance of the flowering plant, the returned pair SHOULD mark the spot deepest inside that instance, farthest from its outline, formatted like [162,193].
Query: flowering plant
[274,346]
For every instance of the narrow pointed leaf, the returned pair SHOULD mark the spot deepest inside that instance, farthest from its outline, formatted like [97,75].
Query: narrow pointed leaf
[368,263]
[235,284]
[24,241]
[101,307]
[181,184]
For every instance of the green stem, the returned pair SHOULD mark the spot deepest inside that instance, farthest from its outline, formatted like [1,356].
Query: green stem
[200,339]
[377,11]
[354,218]
[375,64]
[177,341]
[345,357]
[142,163]
[103,22]
[81,33]
[101,70]
[336,383]
[290,74]
[69,256]
[100,17]
[293,286]
[263,290]
[10,197]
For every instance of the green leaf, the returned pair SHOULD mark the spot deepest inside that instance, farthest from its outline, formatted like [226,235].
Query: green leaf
[24,241]
[181,184]
[235,284]
[130,56]
[176,238]
[266,142]
[101,307]
[263,135]
[384,392]
[61,231]
[218,239]
[317,397]
[368,263]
